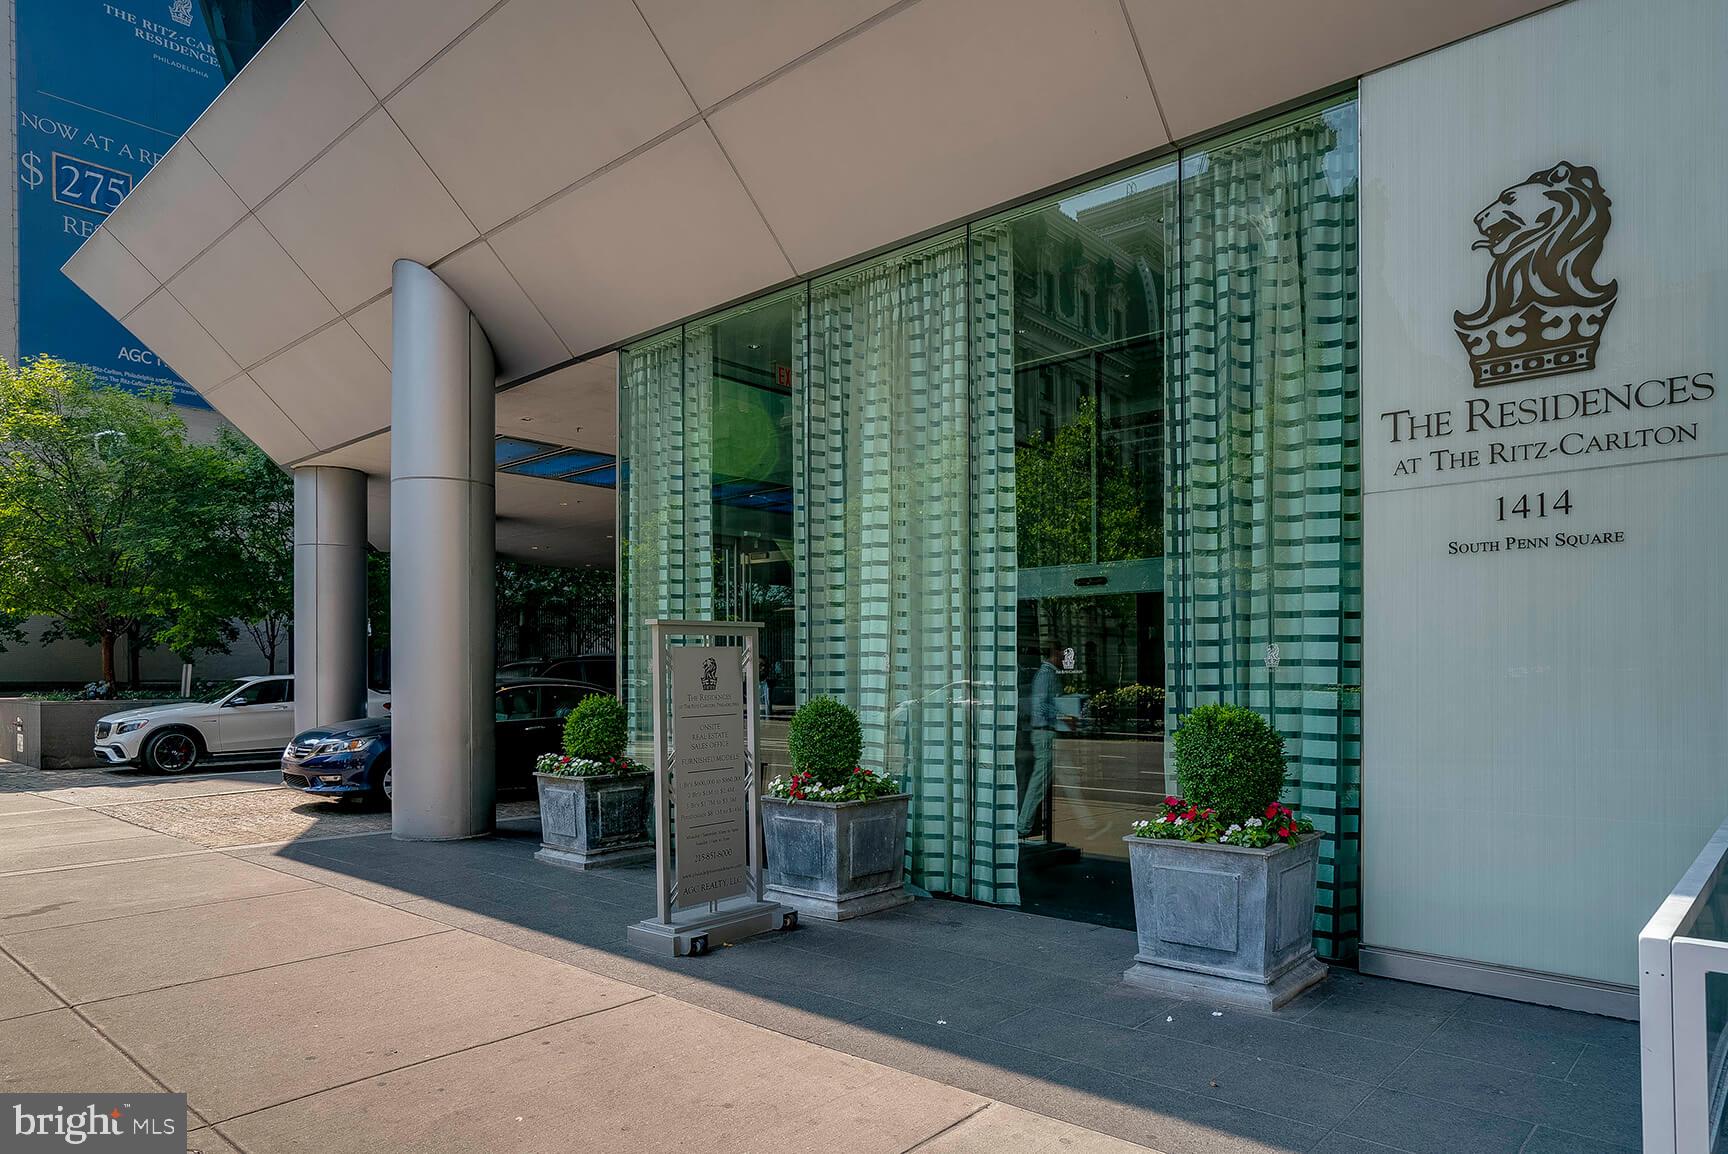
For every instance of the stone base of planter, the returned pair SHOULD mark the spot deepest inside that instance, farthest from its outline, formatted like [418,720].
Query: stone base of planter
[829,909]
[578,860]
[1166,979]
[1225,923]
[592,822]
[836,860]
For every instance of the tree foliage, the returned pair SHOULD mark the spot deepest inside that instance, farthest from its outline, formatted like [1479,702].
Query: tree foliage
[545,611]
[1054,520]
[112,524]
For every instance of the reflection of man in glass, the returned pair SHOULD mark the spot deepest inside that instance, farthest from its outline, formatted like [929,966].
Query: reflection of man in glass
[1046,684]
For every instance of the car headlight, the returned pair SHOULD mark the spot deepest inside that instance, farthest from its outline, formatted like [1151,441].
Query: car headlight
[131,726]
[354,745]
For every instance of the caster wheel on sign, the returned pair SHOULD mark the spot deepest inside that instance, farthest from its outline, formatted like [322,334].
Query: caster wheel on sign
[790,920]
[698,945]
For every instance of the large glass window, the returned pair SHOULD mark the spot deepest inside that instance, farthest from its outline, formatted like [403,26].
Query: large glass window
[1265,529]
[1025,493]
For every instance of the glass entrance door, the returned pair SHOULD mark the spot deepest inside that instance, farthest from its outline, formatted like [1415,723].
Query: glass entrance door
[1089,356]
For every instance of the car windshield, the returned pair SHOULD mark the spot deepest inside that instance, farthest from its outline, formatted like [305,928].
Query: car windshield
[218,691]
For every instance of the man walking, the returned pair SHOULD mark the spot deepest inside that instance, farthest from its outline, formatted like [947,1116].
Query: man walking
[1045,684]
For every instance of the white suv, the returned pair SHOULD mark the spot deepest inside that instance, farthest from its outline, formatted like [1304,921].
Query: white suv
[251,716]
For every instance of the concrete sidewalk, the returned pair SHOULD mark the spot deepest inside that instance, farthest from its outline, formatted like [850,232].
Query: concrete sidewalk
[341,990]
[298,1016]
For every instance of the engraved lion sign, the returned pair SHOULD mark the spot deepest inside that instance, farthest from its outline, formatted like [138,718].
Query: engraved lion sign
[1544,311]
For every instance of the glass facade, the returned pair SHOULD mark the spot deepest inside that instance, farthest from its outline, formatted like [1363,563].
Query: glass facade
[1024,493]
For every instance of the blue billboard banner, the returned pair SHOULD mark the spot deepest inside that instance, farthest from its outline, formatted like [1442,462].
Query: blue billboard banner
[103,90]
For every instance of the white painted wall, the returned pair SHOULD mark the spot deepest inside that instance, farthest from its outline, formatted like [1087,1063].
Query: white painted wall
[1544,728]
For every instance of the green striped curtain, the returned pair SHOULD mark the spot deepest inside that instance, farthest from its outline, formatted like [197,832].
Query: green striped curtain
[667,422]
[1265,518]
[904,511]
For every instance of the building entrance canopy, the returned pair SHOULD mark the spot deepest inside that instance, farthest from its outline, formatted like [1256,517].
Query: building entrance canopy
[583,173]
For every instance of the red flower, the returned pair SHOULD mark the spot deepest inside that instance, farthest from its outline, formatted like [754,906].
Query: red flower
[1173,802]
[1271,811]
[1191,814]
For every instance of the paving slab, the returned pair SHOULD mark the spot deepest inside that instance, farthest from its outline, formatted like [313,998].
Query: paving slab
[25,819]
[86,827]
[246,1041]
[86,894]
[20,993]
[142,844]
[655,1076]
[14,803]
[58,1051]
[1000,1128]
[150,951]
[981,1065]
[206,1140]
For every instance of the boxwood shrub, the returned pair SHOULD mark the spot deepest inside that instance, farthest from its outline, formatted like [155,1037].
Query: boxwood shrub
[825,740]
[1229,760]
[596,729]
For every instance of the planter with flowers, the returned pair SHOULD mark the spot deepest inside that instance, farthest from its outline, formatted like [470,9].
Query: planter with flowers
[1224,875]
[835,832]
[595,802]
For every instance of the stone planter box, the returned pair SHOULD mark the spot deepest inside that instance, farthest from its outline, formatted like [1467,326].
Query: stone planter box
[836,860]
[56,734]
[1225,923]
[587,822]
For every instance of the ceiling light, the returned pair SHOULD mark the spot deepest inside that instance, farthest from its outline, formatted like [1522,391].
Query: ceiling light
[755,346]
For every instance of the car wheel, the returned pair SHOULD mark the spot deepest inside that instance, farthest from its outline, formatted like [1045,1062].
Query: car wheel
[172,751]
[386,785]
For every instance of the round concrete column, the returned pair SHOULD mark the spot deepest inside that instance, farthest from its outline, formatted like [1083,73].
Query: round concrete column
[329,595]
[441,551]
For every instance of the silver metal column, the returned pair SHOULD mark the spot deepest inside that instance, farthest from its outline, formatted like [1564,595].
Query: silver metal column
[441,552]
[329,595]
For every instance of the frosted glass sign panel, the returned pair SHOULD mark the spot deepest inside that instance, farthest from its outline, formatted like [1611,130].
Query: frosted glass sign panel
[710,814]
[1544,430]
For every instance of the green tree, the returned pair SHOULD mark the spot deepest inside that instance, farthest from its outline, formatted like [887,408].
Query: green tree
[111,524]
[262,507]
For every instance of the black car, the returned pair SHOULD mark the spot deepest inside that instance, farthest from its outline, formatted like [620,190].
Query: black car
[590,668]
[352,758]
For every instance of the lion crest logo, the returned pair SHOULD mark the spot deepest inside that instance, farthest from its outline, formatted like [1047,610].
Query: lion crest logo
[710,675]
[1544,311]
[180,11]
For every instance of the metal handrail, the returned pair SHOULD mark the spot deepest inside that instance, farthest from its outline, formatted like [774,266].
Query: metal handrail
[1678,1072]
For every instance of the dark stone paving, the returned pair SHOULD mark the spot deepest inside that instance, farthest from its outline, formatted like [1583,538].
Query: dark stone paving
[1031,1011]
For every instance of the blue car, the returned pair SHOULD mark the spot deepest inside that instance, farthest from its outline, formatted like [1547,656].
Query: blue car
[348,759]
[351,759]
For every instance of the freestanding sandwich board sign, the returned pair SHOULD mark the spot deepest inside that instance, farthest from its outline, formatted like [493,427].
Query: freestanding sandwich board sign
[707,809]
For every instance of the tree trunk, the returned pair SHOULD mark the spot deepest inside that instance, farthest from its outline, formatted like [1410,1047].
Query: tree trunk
[108,656]
[134,657]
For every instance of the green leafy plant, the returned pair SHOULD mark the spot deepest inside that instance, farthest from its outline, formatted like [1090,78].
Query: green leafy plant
[1230,761]
[825,740]
[596,729]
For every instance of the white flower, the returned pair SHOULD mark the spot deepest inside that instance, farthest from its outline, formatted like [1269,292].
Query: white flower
[1255,823]
[1233,828]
